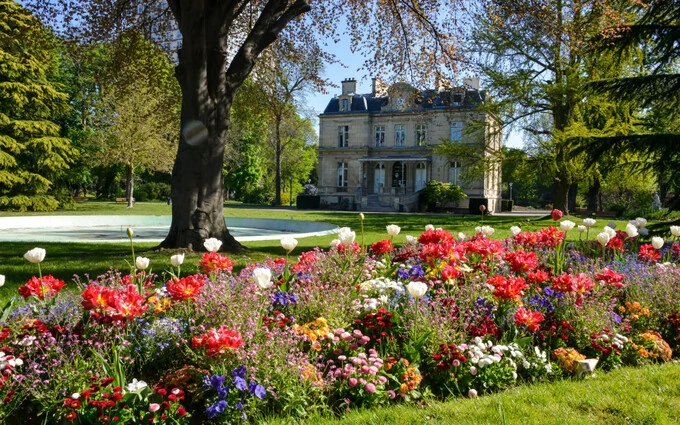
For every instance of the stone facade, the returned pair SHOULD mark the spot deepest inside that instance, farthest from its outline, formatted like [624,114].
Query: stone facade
[376,149]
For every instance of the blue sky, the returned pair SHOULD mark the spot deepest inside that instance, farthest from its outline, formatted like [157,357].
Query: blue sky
[349,66]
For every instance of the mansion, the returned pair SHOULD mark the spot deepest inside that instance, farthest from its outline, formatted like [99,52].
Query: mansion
[376,149]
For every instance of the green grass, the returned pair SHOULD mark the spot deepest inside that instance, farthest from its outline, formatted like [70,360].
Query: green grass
[649,395]
[63,260]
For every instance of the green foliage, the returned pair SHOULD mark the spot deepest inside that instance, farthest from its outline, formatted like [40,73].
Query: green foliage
[438,194]
[32,153]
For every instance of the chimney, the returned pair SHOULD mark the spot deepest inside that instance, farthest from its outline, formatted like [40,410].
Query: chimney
[378,88]
[349,86]
[471,83]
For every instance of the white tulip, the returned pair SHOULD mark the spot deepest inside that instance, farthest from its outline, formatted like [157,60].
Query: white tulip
[289,243]
[589,222]
[130,232]
[515,230]
[675,231]
[177,260]
[334,243]
[393,230]
[640,222]
[361,216]
[603,238]
[36,255]
[411,240]
[472,393]
[581,228]
[461,236]
[417,289]
[429,227]
[263,277]
[657,242]
[488,230]
[567,225]
[136,385]
[212,244]
[142,263]
[610,231]
[346,236]
[631,230]
[2,279]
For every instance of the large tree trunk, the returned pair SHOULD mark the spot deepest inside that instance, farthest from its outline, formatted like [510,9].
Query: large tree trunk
[594,196]
[208,83]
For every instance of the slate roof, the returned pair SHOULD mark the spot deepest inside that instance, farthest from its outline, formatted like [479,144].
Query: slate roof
[428,99]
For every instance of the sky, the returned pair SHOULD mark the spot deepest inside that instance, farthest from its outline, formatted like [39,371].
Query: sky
[315,103]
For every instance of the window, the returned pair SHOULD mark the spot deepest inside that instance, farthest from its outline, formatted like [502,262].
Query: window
[379,135]
[456,133]
[398,174]
[421,134]
[342,177]
[344,105]
[343,136]
[454,173]
[457,99]
[399,135]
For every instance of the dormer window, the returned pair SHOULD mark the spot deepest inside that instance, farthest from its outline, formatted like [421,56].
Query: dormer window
[344,105]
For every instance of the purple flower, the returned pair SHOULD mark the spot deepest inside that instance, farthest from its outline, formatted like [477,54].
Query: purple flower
[257,390]
[417,272]
[216,408]
[402,274]
[239,372]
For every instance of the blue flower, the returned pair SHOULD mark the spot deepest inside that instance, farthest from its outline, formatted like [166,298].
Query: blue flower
[402,274]
[216,408]
[616,318]
[417,271]
[240,383]
[257,390]
[239,372]
[217,382]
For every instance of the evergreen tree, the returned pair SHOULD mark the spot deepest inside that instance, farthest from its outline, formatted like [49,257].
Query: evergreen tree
[32,153]
[654,89]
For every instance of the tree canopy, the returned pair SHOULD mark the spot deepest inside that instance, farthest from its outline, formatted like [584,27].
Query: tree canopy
[32,152]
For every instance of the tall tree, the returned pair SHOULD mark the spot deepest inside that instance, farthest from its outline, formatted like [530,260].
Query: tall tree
[654,89]
[535,55]
[139,110]
[32,153]
[220,43]
[281,82]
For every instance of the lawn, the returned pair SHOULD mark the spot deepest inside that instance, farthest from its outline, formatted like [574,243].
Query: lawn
[66,260]
[649,395]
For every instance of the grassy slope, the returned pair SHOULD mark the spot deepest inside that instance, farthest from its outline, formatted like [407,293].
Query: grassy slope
[649,395]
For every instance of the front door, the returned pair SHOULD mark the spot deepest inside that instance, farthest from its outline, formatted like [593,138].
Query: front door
[421,176]
[379,178]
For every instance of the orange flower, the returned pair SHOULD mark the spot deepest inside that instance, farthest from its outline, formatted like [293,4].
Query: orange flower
[212,262]
[184,288]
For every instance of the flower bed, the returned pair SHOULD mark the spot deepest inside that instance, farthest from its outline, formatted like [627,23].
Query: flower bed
[337,328]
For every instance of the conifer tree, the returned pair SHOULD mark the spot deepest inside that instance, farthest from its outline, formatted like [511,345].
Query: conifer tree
[32,153]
